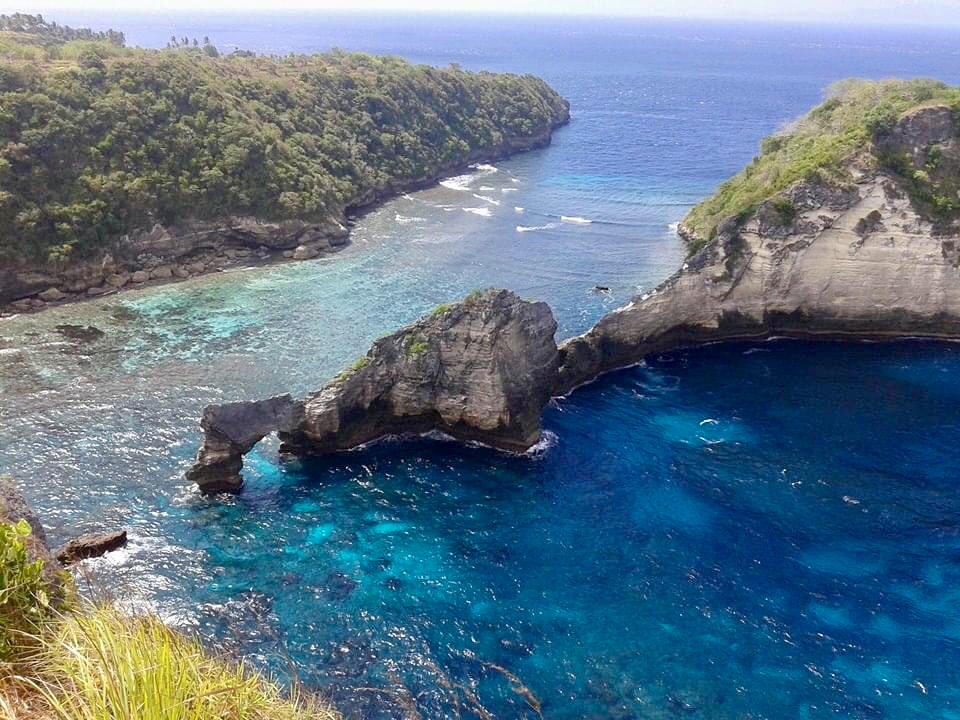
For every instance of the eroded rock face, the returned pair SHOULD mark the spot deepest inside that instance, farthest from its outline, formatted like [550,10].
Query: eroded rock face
[481,370]
[853,262]
[230,432]
[152,254]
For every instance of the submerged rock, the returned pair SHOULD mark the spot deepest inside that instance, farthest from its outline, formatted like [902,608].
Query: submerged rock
[81,333]
[91,545]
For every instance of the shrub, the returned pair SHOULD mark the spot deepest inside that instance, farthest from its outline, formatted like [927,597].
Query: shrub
[416,346]
[360,364]
[819,145]
[473,297]
[25,606]
[785,209]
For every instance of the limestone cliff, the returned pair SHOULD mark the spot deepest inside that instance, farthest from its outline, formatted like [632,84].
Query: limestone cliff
[480,370]
[861,259]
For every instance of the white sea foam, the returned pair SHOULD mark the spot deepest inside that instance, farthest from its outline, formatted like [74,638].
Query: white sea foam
[460,183]
[485,168]
[486,199]
[506,191]
[519,210]
[548,441]
[534,228]
[403,220]
[674,227]
[483,212]
[487,188]
[573,220]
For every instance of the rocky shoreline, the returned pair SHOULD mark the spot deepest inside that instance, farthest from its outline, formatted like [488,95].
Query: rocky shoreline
[192,248]
[14,508]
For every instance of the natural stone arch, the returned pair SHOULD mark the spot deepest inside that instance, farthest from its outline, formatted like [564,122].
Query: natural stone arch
[230,432]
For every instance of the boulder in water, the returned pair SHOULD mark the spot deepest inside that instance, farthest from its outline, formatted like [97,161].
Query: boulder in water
[91,545]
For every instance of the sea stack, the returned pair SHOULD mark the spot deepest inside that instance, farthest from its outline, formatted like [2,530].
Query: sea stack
[480,370]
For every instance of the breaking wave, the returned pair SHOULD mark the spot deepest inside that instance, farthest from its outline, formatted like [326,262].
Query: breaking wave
[403,220]
[534,228]
[483,212]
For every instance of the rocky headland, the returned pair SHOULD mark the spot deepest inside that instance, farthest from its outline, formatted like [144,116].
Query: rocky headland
[169,253]
[480,370]
[863,258]
[867,248]
[229,168]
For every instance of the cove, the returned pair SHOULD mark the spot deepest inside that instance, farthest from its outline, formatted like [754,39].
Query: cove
[760,529]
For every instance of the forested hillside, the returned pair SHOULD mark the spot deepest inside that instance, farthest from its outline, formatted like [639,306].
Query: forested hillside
[97,140]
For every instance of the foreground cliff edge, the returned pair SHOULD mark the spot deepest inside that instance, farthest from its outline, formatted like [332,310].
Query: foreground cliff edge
[855,235]
[66,658]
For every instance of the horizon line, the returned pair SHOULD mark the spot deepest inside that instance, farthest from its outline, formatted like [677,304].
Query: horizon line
[474,12]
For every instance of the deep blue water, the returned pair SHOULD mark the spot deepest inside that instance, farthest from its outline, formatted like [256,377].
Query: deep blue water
[735,532]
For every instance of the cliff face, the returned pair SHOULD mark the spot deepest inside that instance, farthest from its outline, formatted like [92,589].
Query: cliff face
[862,261]
[480,370]
[162,253]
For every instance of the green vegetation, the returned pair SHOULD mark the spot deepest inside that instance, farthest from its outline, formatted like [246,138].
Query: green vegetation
[821,146]
[51,32]
[25,605]
[95,663]
[98,140]
[360,364]
[473,296]
[785,209]
[103,665]
[441,309]
[415,345]
[934,188]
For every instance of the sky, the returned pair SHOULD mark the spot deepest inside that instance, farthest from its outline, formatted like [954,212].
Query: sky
[924,12]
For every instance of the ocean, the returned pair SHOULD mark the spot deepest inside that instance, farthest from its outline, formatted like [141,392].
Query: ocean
[742,531]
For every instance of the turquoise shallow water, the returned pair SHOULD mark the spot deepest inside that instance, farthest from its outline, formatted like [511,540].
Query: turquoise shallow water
[737,532]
